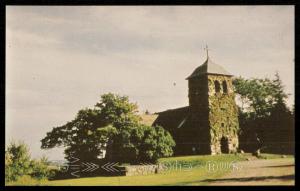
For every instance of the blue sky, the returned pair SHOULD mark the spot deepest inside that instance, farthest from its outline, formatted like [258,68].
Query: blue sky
[61,59]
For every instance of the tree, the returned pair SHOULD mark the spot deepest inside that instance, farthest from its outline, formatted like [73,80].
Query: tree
[110,125]
[263,113]
[281,122]
[84,136]
[76,136]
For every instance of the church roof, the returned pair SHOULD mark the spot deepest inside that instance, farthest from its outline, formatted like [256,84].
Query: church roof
[173,118]
[148,119]
[209,67]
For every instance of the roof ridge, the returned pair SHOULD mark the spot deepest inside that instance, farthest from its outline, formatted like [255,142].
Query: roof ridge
[184,107]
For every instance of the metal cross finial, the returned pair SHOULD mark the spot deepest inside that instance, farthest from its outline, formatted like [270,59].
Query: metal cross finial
[206,48]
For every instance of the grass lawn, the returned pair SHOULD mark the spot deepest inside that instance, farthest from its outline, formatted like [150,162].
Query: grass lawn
[186,170]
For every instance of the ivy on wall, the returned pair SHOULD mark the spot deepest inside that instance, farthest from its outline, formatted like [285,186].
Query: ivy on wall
[223,113]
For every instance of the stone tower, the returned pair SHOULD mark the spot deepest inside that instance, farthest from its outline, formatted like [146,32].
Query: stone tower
[213,110]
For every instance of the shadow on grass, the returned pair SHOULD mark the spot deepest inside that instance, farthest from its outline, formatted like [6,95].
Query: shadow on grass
[206,182]
[286,177]
[278,166]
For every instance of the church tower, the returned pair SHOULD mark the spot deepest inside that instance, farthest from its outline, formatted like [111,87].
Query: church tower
[213,110]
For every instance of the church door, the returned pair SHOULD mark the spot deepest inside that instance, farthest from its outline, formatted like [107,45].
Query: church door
[224,145]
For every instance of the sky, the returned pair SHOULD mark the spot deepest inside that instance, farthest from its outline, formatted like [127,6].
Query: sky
[60,59]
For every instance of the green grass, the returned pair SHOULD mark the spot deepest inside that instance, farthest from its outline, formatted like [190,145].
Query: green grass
[202,159]
[191,170]
[192,177]
[27,181]
[186,170]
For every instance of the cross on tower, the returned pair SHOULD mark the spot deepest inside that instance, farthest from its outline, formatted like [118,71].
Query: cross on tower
[206,48]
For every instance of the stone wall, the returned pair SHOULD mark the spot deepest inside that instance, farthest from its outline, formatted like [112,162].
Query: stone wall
[134,170]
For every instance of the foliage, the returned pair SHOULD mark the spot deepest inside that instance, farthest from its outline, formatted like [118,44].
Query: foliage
[17,161]
[141,143]
[111,124]
[259,96]
[19,164]
[76,135]
[265,120]
[40,169]
[152,143]
[117,110]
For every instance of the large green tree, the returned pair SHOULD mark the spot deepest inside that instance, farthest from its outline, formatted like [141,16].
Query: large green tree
[112,125]
[265,120]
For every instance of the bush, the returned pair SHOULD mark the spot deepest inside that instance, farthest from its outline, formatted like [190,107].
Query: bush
[17,161]
[142,143]
[40,169]
[18,164]
[155,143]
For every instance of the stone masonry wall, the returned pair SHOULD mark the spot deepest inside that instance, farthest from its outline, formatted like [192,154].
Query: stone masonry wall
[134,170]
[223,115]
[198,120]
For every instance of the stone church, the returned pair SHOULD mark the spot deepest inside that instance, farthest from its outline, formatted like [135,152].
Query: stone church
[209,125]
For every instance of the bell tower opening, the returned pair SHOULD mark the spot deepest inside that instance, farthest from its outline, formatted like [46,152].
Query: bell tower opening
[217,86]
[225,90]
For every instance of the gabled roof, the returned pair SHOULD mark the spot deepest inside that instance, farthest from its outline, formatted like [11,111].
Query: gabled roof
[209,67]
[148,119]
[173,118]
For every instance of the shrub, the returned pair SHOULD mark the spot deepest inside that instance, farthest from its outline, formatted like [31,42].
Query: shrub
[17,161]
[40,169]
[18,164]
[152,143]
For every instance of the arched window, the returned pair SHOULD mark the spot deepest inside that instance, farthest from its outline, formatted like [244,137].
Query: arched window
[224,87]
[217,86]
